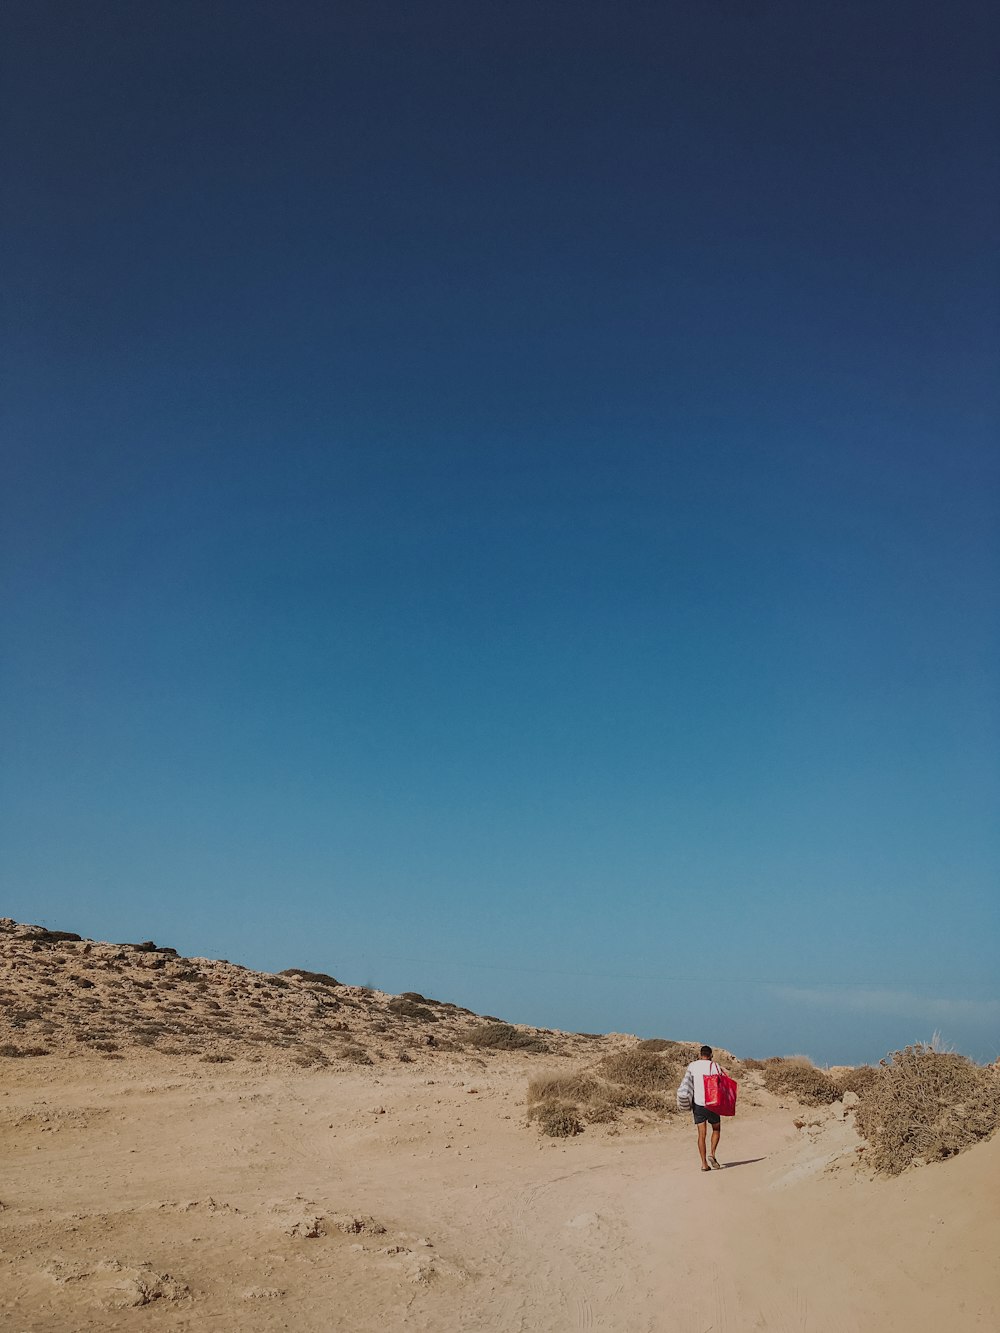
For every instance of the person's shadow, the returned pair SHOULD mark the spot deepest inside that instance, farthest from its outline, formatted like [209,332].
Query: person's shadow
[747,1161]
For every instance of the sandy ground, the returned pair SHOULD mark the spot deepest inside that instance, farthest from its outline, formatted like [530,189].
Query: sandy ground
[157,1193]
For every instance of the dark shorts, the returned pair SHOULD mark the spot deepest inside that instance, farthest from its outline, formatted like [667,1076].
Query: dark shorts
[703,1116]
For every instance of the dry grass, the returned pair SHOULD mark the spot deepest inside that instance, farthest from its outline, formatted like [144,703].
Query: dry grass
[577,1087]
[634,1079]
[923,1105]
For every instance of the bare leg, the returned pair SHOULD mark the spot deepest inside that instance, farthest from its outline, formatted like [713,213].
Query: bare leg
[716,1136]
[702,1129]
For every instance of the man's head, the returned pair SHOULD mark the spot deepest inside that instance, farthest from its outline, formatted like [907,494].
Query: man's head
[706,1052]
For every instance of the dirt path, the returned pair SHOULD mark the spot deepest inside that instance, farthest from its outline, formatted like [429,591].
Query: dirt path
[147,1195]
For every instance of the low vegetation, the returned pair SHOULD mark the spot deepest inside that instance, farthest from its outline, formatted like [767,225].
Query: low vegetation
[355,1054]
[684,1051]
[799,1078]
[858,1079]
[60,994]
[503,1037]
[923,1105]
[556,1119]
[638,1075]
[405,1008]
[634,1079]
[317,978]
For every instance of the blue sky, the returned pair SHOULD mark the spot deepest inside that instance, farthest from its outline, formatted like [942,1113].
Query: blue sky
[502,501]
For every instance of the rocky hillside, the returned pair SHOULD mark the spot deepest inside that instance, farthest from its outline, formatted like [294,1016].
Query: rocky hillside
[60,993]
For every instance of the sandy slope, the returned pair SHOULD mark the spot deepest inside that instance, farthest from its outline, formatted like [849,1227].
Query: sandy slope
[159,1193]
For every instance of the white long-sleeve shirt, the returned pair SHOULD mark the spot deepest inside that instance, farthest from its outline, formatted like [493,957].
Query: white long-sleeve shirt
[692,1087]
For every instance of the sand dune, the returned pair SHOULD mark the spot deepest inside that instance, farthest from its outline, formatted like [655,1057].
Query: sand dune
[167,1191]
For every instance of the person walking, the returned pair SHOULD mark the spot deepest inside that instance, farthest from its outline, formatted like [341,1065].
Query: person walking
[691,1096]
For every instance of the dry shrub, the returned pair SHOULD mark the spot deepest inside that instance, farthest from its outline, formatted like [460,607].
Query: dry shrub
[638,1071]
[804,1082]
[636,1079]
[602,1111]
[559,1120]
[357,1055]
[681,1051]
[858,1079]
[924,1105]
[626,1098]
[19,1017]
[317,978]
[405,1008]
[503,1037]
[17,1052]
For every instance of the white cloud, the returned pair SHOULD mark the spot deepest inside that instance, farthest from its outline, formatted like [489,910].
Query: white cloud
[900,1003]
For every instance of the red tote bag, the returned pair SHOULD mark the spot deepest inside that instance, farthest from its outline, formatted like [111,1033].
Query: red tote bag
[720,1092]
